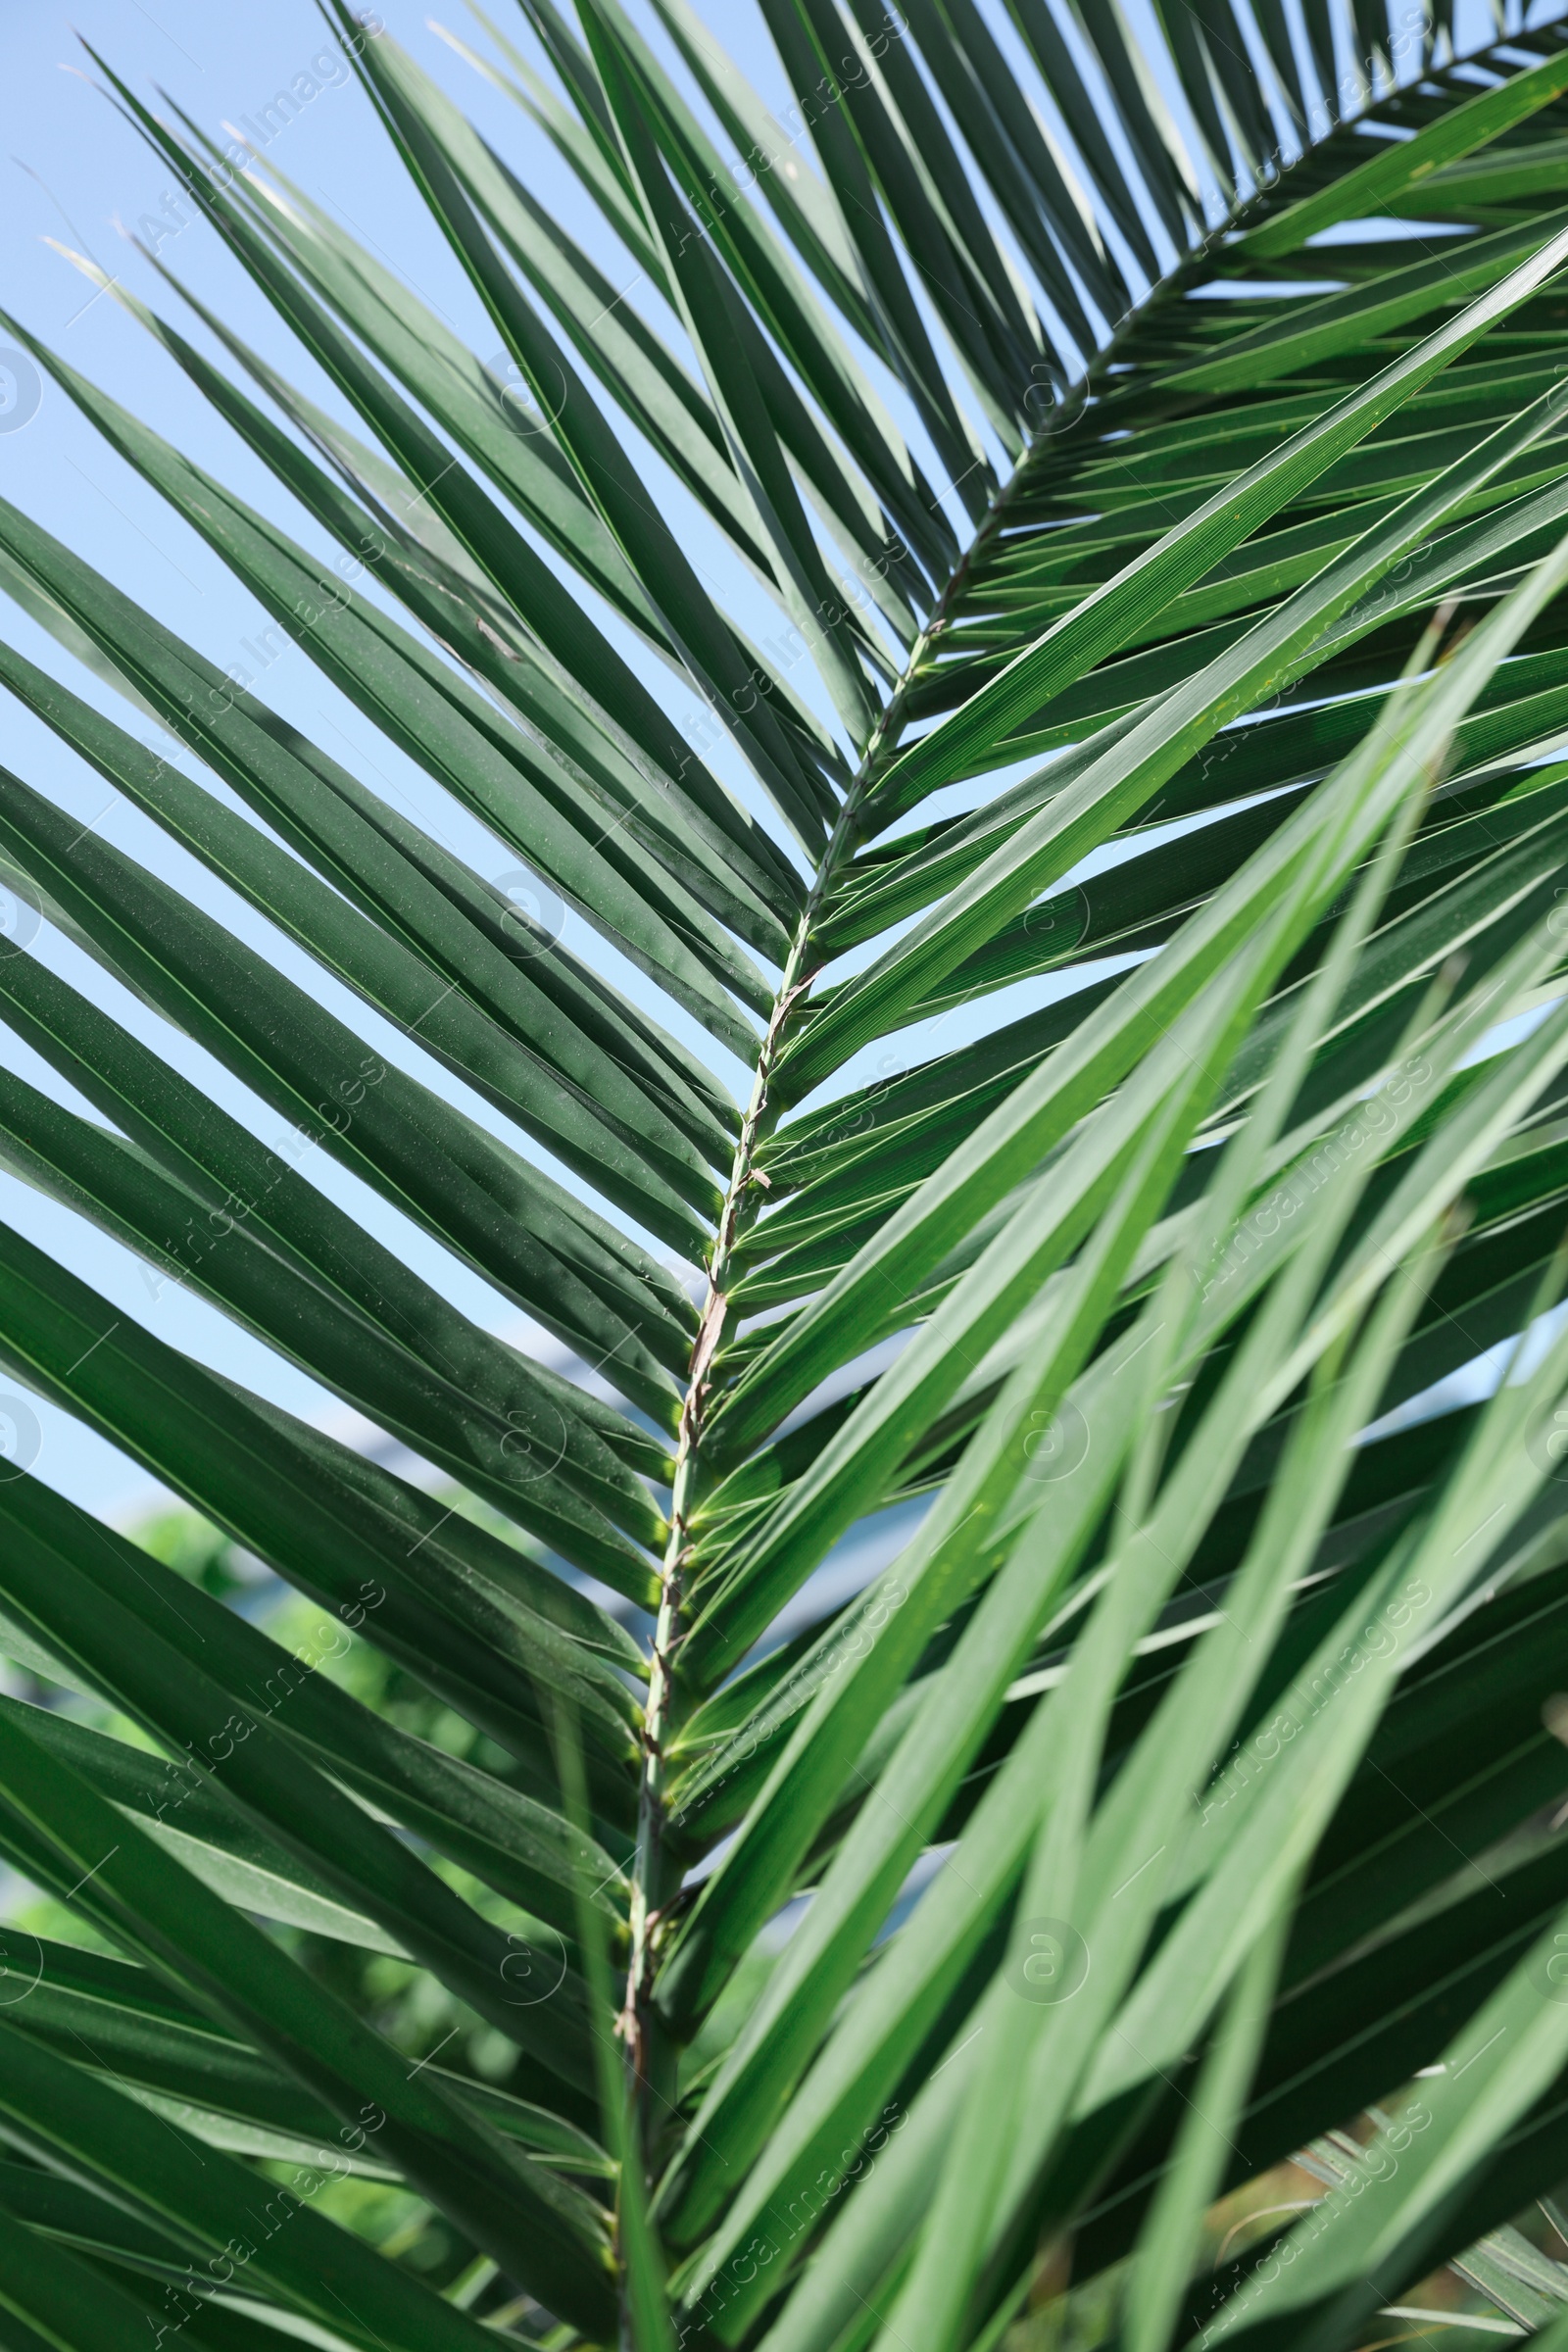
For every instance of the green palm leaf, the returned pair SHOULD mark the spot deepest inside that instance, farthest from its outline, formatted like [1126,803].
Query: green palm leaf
[1007,1689]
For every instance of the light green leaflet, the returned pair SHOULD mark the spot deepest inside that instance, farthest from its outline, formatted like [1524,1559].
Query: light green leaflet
[880,1640]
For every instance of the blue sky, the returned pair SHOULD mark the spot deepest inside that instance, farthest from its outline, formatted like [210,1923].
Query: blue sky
[78,177]
[78,174]
[74,169]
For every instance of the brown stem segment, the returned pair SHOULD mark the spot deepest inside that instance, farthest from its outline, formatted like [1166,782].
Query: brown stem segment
[655,1874]
[652,1870]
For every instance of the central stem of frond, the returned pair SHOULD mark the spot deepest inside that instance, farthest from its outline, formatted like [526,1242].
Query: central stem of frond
[653,1881]
[655,1874]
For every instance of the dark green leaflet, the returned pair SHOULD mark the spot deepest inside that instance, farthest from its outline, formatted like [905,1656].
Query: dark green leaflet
[314,1071]
[1273,1143]
[507,1838]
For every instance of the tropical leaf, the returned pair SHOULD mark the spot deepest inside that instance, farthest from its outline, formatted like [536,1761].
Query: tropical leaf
[978,1751]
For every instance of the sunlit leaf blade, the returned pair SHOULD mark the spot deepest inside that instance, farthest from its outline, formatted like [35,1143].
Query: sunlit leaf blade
[1013,1684]
[147,1900]
[508,1838]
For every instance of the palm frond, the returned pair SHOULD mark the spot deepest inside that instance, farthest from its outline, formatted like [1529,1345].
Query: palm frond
[998,1687]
